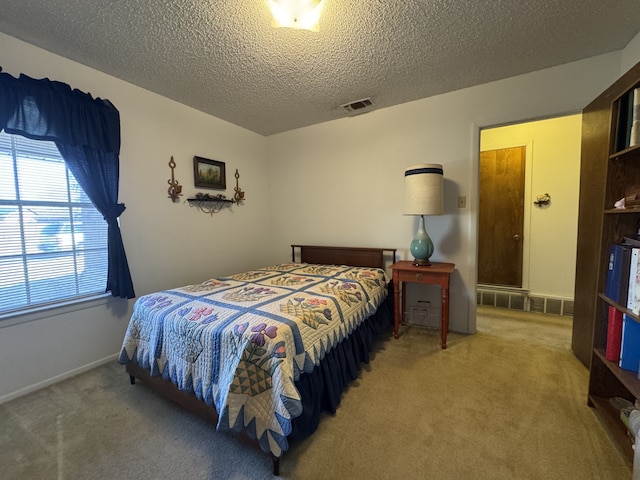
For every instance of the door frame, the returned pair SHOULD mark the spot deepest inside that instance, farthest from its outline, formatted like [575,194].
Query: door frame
[471,277]
[526,221]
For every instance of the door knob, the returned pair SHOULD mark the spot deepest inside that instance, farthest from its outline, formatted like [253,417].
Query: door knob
[516,238]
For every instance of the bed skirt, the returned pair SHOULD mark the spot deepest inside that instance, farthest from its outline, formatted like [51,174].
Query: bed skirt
[321,390]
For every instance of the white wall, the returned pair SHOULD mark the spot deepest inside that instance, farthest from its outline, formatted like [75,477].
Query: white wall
[550,232]
[167,243]
[341,182]
[630,54]
[336,183]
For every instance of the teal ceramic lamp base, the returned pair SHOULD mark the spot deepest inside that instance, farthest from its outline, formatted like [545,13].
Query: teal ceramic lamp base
[421,246]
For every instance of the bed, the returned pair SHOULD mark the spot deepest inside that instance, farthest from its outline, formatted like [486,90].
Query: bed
[263,353]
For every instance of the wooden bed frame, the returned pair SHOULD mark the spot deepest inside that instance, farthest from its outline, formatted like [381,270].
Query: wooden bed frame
[352,256]
[356,257]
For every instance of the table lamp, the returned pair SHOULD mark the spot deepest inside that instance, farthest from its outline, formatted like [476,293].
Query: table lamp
[423,196]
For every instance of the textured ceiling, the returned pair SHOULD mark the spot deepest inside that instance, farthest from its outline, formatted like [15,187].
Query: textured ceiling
[223,56]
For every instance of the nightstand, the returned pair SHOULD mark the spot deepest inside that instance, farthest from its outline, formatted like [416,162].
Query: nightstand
[435,274]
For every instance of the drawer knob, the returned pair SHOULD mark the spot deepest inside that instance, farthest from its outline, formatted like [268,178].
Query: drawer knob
[418,276]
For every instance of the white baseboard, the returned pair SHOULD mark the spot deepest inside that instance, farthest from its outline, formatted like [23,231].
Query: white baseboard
[57,378]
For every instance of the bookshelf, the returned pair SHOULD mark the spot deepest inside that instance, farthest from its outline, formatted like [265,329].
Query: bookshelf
[609,167]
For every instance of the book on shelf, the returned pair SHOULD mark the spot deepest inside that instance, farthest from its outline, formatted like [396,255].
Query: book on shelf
[625,407]
[634,137]
[633,291]
[624,121]
[630,242]
[617,286]
[614,334]
[626,415]
[630,344]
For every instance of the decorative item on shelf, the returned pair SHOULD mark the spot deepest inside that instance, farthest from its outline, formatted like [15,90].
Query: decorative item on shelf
[423,196]
[542,200]
[208,196]
[239,195]
[632,197]
[634,135]
[175,189]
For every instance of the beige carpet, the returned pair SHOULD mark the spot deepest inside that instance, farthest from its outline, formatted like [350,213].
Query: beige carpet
[507,403]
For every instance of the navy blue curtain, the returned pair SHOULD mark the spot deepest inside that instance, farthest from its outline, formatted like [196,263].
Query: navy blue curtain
[87,133]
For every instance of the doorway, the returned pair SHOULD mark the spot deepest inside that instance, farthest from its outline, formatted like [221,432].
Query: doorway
[544,260]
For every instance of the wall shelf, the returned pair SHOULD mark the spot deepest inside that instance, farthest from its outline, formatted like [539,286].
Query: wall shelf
[622,211]
[210,205]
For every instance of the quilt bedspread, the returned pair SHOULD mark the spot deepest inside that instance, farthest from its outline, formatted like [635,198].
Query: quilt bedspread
[239,343]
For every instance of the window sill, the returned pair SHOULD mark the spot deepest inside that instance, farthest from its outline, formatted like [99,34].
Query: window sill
[53,310]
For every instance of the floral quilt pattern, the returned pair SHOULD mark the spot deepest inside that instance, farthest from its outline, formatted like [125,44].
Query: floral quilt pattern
[239,343]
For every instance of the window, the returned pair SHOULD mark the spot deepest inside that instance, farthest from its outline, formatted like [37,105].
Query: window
[53,241]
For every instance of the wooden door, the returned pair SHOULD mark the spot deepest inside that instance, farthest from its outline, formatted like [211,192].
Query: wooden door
[501,216]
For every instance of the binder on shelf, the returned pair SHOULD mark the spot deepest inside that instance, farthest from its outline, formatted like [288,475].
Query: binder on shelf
[630,344]
[617,286]
[614,334]
[633,292]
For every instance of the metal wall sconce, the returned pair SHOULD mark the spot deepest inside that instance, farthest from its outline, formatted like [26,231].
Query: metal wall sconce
[239,195]
[175,189]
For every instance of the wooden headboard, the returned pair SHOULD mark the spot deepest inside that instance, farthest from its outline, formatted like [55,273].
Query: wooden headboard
[353,256]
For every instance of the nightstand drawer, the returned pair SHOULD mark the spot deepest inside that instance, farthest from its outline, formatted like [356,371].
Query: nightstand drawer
[413,276]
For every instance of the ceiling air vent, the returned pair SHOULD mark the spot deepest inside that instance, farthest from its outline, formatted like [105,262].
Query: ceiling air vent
[359,106]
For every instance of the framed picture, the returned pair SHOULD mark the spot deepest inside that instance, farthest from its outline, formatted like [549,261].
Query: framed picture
[209,173]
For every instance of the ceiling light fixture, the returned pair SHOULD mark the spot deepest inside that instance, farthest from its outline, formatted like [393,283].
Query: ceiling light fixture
[301,14]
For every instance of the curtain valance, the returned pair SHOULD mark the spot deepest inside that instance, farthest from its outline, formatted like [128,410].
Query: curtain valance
[44,109]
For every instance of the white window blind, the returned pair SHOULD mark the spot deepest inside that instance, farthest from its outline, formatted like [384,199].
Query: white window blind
[53,241]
